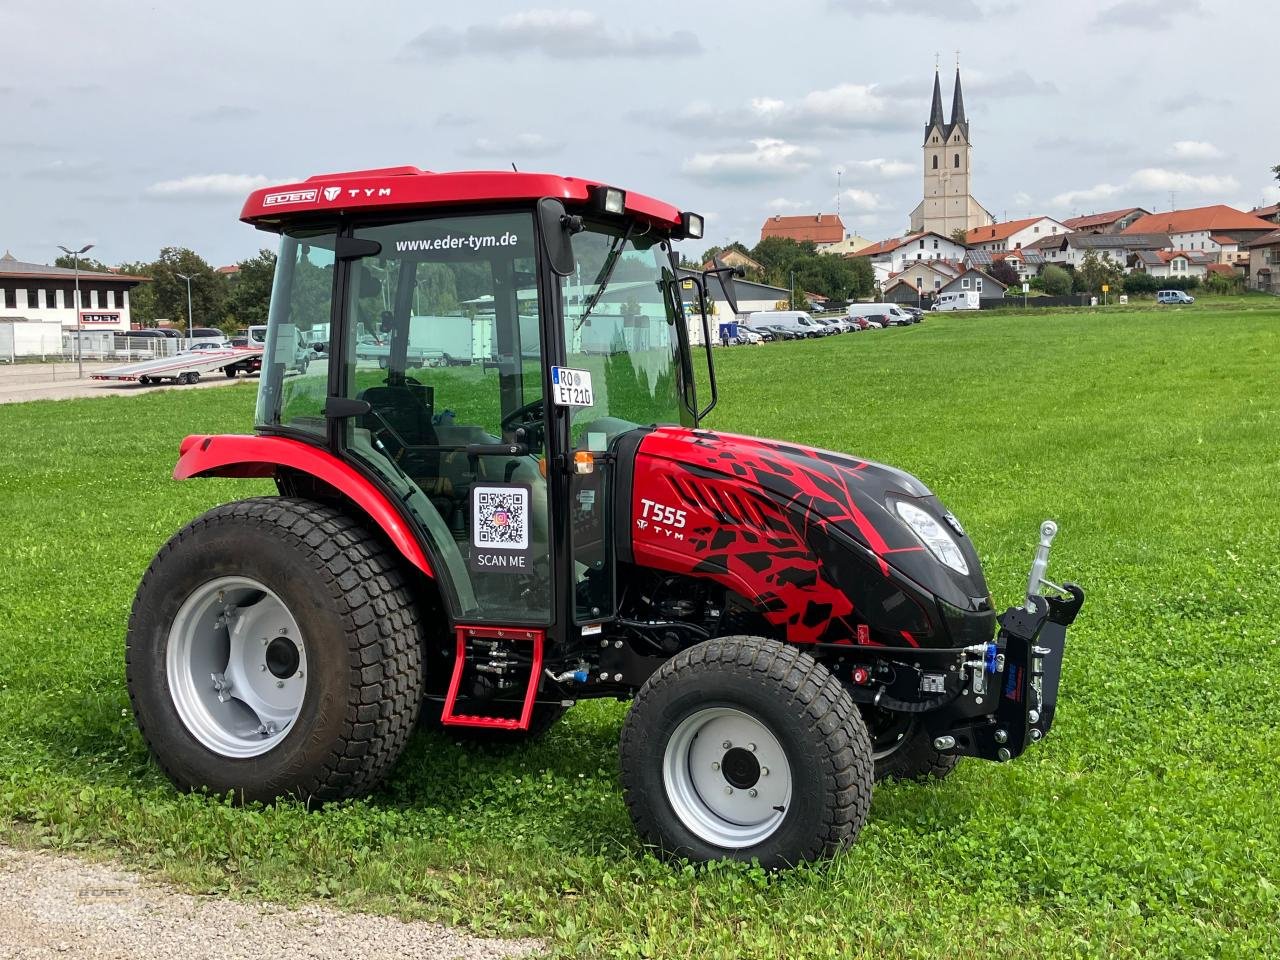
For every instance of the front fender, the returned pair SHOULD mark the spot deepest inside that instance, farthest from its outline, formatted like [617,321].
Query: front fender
[235,455]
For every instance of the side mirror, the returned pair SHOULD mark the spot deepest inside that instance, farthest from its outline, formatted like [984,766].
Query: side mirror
[726,276]
[557,229]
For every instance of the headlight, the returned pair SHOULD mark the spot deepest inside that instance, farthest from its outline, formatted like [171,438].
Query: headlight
[933,534]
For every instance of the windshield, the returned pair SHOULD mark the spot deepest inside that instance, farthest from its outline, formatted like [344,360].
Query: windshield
[622,325]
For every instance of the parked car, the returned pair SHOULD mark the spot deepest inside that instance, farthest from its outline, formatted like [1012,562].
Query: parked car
[917,315]
[210,344]
[865,322]
[897,317]
[779,333]
[797,320]
[170,332]
[1174,297]
[150,332]
[835,326]
[748,336]
[207,333]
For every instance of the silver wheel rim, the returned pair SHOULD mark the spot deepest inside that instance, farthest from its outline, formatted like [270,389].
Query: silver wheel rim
[237,667]
[727,777]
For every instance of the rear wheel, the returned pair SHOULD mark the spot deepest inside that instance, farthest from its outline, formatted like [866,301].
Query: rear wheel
[744,748]
[903,749]
[230,372]
[274,649]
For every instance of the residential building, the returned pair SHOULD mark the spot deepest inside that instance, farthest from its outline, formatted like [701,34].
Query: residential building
[1174,264]
[1264,263]
[1069,249]
[1271,213]
[893,255]
[1026,263]
[948,203]
[733,257]
[850,245]
[986,286]
[1113,221]
[1013,234]
[819,228]
[922,279]
[35,291]
[1196,229]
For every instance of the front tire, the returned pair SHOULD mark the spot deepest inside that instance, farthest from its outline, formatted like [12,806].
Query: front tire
[273,649]
[746,748]
[903,749]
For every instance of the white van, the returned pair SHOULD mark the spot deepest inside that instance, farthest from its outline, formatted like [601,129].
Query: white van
[894,315]
[962,300]
[797,321]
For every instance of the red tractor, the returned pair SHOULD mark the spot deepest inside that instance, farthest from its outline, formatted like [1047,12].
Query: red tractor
[495,500]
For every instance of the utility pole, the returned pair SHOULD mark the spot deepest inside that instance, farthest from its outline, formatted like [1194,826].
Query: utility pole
[183,276]
[75,255]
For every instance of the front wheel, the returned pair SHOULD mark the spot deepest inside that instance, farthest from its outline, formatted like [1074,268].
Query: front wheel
[903,749]
[746,748]
[274,649]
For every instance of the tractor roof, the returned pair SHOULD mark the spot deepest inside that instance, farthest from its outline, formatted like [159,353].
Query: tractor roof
[401,188]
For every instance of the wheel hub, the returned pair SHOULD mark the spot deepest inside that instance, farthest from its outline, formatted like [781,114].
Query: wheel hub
[236,666]
[740,768]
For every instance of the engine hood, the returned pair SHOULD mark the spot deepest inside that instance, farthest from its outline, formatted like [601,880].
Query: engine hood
[841,498]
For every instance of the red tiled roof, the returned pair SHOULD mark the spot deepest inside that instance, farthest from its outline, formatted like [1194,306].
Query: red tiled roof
[999,231]
[1267,240]
[1226,269]
[1222,239]
[1216,217]
[1097,219]
[233,268]
[820,228]
[1266,212]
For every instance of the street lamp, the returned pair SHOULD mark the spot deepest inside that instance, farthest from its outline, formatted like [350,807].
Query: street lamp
[75,255]
[183,276]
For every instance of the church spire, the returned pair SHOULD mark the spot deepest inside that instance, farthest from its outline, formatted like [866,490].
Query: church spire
[936,118]
[957,100]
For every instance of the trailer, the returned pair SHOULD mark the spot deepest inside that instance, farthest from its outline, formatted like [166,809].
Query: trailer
[187,367]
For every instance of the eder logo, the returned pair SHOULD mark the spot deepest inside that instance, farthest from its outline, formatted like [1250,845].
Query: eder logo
[289,197]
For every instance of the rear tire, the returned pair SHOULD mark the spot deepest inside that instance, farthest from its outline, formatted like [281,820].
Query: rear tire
[230,372]
[357,635]
[794,782]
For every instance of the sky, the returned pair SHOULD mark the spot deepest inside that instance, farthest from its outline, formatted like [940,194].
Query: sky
[137,125]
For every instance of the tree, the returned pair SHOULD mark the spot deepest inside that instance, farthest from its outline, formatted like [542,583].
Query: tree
[86,263]
[1095,271]
[249,291]
[1276,171]
[960,235]
[1000,270]
[1055,281]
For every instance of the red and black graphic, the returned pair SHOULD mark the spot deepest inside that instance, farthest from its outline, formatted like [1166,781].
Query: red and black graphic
[790,529]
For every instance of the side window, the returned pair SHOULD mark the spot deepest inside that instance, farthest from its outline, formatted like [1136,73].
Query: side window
[294,386]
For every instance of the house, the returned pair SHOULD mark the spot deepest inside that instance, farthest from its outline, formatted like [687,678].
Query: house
[920,280]
[34,291]
[733,257]
[1013,234]
[986,286]
[1195,229]
[1264,263]
[820,228]
[892,256]
[1026,263]
[1069,250]
[851,244]
[1174,264]
[1271,213]
[1113,221]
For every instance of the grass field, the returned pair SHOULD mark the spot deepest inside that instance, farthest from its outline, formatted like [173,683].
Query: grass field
[1147,824]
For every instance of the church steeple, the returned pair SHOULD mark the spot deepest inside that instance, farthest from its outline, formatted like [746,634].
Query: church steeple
[957,102]
[936,118]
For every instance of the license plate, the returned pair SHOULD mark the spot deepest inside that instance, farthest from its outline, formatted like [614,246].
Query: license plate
[571,388]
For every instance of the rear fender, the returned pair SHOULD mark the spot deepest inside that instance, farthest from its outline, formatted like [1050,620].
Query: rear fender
[232,455]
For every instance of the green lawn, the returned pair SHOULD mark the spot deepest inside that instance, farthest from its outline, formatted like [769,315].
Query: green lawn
[1147,824]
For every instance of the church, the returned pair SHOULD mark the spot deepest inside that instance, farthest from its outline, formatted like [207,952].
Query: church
[948,205]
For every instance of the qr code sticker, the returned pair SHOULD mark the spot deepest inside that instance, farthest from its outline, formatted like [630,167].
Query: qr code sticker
[500,517]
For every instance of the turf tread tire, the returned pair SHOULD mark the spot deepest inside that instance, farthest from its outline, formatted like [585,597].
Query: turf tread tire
[915,759]
[365,585]
[802,688]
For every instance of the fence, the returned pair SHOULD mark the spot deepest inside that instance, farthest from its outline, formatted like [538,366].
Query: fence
[105,345]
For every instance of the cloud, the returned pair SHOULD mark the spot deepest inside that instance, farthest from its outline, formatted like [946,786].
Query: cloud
[225,112]
[1147,15]
[558,34]
[1191,101]
[831,112]
[880,168]
[1195,151]
[863,201]
[768,159]
[66,170]
[210,186]
[455,120]
[1148,179]
[962,10]
[514,147]
[781,204]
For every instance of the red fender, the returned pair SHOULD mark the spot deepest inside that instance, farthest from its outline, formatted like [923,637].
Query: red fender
[234,455]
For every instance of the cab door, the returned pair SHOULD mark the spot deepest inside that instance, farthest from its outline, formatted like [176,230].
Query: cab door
[441,340]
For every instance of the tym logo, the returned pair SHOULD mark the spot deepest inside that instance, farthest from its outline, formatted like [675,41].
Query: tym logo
[331,193]
[289,196]
[356,192]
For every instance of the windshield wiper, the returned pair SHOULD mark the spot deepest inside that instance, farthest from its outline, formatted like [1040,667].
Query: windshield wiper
[606,272]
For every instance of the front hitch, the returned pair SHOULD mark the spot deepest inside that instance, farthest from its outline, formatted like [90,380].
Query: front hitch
[1030,646]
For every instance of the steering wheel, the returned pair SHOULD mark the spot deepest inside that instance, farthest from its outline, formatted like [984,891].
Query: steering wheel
[529,419]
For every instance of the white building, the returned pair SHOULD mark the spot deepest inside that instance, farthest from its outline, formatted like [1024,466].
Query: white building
[889,257]
[1013,234]
[35,291]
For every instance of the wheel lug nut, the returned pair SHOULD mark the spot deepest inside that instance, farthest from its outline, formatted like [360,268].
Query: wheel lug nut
[726,744]
[728,790]
[751,747]
[279,683]
[764,771]
[752,792]
[262,666]
[715,764]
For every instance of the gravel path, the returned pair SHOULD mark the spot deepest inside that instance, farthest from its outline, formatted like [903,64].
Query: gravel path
[56,906]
